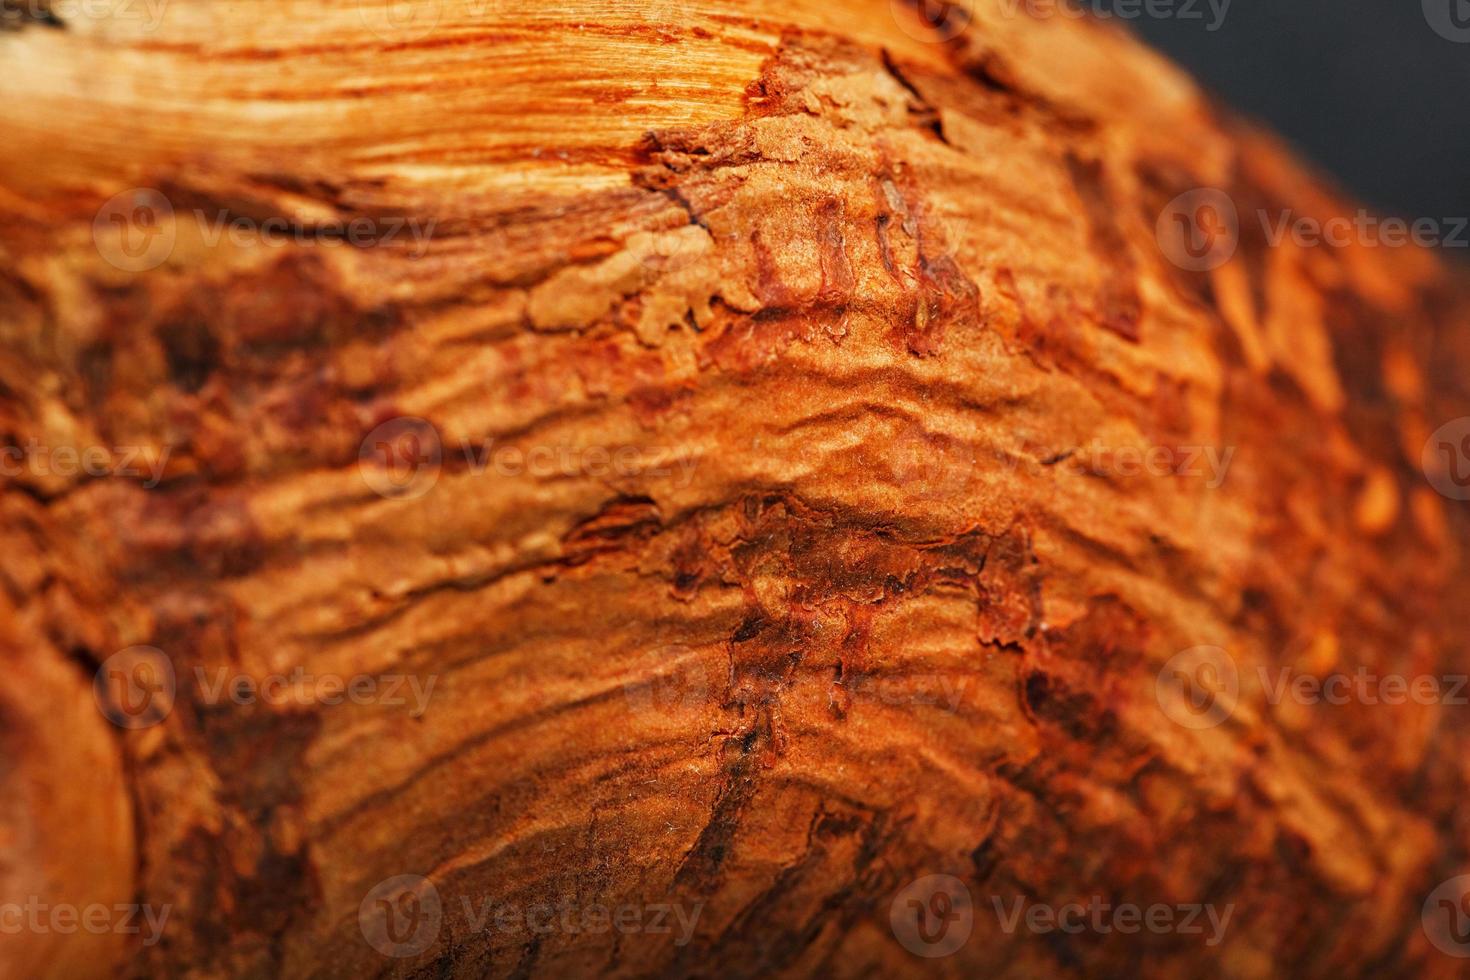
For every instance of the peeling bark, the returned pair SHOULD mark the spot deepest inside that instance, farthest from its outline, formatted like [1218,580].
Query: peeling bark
[711,415]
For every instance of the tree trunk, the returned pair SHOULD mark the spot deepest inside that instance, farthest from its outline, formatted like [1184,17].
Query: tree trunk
[615,488]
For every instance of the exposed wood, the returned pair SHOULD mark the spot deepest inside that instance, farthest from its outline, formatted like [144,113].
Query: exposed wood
[790,559]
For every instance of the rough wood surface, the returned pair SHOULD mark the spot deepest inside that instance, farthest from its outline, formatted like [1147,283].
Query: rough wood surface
[816,320]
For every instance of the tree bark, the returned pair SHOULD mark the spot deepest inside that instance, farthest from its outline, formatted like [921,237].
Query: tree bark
[751,457]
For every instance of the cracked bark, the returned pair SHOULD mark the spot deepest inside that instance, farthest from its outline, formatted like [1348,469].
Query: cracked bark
[860,605]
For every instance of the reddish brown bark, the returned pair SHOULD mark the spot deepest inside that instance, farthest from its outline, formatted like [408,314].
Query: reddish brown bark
[723,414]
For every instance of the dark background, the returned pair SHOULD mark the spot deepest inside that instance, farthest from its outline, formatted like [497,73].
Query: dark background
[1365,88]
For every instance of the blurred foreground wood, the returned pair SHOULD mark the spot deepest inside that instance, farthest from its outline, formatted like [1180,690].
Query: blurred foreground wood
[702,431]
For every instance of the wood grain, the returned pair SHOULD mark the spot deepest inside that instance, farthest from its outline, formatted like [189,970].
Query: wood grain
[790,559]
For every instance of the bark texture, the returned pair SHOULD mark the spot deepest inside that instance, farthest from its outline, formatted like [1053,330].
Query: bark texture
[857,604]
